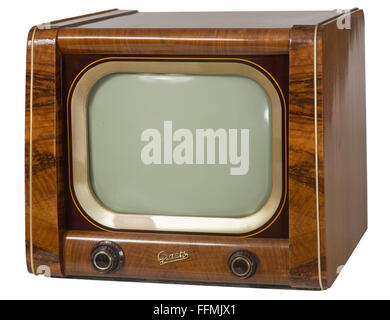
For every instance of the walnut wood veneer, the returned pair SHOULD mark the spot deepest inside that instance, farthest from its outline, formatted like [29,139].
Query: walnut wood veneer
[321,70]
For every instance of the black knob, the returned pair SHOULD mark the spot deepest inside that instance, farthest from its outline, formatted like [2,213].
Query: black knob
[242,264]
[107,257]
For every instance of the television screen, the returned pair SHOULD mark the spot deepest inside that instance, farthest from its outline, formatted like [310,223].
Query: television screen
[194,145]
[196,140]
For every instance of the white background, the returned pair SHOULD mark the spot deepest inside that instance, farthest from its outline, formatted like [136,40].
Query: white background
[366,274]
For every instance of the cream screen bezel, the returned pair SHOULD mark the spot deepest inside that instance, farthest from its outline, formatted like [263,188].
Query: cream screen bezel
[132,221]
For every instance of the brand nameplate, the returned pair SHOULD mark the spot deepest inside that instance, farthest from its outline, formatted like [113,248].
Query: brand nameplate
[164,257]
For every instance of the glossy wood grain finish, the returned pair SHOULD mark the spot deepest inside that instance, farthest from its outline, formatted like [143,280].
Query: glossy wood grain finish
[302,175]
[305,257]
[174,41]
[45,208]
[207,257]
[344,140]
[188,33]
[213,20]
[341,150]
[45,165]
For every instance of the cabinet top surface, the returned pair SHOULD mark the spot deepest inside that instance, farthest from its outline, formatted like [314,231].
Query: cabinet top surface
[122,19]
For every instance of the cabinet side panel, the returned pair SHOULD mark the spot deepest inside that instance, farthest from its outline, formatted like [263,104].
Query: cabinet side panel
[304,261]
[345,167]
[42,160]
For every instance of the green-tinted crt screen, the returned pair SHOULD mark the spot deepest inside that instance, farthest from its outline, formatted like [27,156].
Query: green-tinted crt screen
[185,145]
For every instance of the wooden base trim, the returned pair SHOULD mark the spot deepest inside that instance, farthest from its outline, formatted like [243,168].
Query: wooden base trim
[203,259]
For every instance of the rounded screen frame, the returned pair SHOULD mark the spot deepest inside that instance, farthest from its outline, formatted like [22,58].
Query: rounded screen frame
[80,188]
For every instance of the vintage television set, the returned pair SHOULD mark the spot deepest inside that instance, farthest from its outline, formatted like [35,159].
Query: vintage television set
[220,147]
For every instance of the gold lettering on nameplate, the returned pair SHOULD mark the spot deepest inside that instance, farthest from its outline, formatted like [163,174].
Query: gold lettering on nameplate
[164,257]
